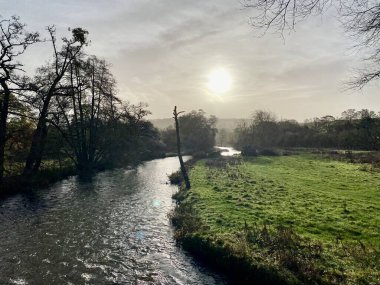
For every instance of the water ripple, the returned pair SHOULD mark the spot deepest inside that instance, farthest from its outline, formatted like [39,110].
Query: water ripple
[112,230]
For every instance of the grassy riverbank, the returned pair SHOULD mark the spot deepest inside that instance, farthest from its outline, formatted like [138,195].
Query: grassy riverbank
[300,219]
[50,172]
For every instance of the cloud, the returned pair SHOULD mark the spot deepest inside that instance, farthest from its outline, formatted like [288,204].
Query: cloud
[162,51]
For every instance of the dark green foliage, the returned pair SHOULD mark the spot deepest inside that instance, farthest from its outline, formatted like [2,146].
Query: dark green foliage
[168,137]
[248,150]
[197,133]
[130,142]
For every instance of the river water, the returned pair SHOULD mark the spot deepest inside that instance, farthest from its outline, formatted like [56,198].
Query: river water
[112,230]
[228,151]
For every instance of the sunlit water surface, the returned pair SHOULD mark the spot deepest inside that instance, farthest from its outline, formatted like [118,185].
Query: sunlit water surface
[112,230]
[228,151]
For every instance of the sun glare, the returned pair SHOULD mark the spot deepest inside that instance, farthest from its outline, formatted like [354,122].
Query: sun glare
[219,81]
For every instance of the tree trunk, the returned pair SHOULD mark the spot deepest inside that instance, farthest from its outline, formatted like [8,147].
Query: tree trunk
[34,158]
[183,168]
[4,105]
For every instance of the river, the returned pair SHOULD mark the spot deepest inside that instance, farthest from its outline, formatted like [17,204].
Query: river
[228,151]
[112,230]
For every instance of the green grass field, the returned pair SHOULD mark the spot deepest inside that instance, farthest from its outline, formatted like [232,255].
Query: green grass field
[318,201]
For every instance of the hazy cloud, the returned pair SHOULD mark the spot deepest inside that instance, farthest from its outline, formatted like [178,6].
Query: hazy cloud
[162,51]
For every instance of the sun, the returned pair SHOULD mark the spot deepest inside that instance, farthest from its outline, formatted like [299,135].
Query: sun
[219,81]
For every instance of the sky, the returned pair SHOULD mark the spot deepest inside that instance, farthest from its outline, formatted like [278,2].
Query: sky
[163,52]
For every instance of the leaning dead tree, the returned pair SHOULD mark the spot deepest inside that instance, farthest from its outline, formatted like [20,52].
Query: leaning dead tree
[183,168]
[360,19]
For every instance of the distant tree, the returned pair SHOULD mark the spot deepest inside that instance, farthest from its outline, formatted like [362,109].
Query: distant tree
[132,137]
[14,40]
[357,130]
[264,129]
[168,137]
[360,18]
[198,131]
[262,117]
[242,135]
[222,137]
[349,115]
[365,113]
[370,129]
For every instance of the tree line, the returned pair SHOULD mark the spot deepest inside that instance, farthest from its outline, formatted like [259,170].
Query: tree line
[68,111]
[352,130]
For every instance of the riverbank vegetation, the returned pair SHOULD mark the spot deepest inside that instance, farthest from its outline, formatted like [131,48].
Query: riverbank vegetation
[67,118]
[197,132]
[303,218]
[353,130]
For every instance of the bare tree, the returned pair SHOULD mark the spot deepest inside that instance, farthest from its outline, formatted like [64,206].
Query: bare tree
[62,59]
[14,40]
[360,19]
[83,110]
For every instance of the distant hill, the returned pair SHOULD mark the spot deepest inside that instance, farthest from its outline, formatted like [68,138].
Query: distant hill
[228,124]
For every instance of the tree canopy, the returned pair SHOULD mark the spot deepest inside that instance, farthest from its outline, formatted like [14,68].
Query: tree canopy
[197,132]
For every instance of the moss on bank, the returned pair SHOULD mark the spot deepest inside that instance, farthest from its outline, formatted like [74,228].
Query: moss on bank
[300,219]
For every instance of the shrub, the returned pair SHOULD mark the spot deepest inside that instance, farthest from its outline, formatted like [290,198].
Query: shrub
[249,151]
[199,154]
[176,178]
[185,220]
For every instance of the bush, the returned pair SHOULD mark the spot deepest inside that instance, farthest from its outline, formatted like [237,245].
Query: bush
[214,154]
[176,178]
[199,154]
[249,151]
